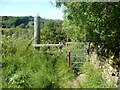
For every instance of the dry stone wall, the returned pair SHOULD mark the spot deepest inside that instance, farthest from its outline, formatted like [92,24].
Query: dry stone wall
[109,73]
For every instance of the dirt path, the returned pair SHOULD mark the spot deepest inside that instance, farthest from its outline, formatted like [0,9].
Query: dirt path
[78,80]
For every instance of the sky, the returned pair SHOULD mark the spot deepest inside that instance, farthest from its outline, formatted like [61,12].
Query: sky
[30,8]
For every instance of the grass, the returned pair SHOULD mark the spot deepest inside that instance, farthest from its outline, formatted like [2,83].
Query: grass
[31,68]
[23,68]
[93,77]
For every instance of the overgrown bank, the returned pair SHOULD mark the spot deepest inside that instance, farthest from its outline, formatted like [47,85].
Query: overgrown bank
[39,69]
[23,67]
[109,65]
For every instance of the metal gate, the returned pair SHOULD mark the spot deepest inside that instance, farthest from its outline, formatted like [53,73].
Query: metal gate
[76,53]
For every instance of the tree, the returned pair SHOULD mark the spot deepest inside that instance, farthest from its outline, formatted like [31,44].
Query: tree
[52,32]
[100,21]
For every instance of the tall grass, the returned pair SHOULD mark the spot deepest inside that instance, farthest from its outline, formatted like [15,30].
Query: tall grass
[93,77]
[31,68]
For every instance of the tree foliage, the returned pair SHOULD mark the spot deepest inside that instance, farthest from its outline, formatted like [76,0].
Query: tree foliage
[100,21]
[12,22]
[52,32]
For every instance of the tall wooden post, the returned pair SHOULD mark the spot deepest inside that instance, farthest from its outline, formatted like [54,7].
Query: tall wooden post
[37,29]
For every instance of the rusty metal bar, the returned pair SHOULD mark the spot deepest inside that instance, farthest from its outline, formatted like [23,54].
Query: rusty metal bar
[69,57]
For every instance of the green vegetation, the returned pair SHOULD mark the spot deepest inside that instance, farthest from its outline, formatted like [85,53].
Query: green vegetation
[23,66]
[31,68]
[38,69]
[35,69]
[93,77]
[97,23]
[52,32]
[12,22]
